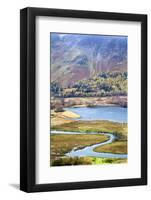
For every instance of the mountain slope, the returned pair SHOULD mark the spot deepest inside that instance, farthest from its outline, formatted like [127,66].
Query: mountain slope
[76,57]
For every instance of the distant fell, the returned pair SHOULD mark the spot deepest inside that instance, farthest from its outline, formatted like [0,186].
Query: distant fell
[76,57]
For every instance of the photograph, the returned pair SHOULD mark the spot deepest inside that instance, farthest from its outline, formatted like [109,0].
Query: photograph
[83,99]
[88,99]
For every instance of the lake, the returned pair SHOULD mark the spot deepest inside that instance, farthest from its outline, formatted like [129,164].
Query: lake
[111,113]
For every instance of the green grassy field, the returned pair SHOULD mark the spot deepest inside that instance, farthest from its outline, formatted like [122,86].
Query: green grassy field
[86,161]
[98,126]
[108,160]
[63,143]
[119,147]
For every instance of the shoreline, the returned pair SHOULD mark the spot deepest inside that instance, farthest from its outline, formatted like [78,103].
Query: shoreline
[60,103]
[67,116]
[102,105]
[62,117]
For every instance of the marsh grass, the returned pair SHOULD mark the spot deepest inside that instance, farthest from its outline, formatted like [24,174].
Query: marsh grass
[119,147]
[108,160]
[63,143]
[72,161]
[65,161]
[98,126]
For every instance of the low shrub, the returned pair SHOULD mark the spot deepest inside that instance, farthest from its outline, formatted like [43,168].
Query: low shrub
[71,161]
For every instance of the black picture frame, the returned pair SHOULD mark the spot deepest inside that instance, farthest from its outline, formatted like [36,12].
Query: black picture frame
[28,99]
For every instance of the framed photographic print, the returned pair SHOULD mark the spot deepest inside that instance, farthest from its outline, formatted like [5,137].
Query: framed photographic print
[83,98]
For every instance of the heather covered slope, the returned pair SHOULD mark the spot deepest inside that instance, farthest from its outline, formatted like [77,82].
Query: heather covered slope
[75,57]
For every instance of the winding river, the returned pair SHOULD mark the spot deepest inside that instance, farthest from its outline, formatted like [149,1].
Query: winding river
[111,113]
[89,150]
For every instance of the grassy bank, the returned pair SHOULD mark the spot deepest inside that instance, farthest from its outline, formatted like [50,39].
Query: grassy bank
[63,143]
[108,160]
[119,147]
[86,161]
[119,129]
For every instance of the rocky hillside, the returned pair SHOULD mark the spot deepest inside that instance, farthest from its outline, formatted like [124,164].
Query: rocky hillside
[76,57]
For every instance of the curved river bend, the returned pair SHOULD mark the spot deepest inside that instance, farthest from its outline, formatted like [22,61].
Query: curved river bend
[111,113]
[89,150]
